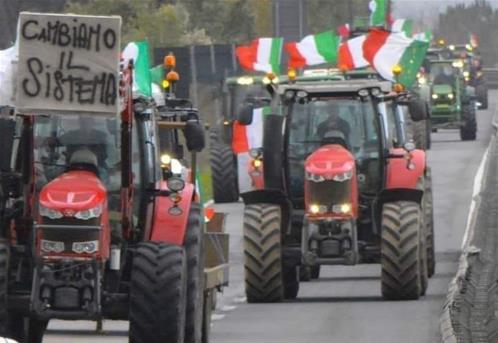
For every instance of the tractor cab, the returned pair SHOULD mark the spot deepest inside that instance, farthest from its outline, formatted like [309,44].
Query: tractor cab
[340,165]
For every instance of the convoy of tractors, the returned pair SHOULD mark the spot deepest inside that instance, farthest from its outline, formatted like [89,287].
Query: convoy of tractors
[101,216]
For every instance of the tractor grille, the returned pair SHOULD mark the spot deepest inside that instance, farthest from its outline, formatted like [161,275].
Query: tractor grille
[330,193]
[70,230]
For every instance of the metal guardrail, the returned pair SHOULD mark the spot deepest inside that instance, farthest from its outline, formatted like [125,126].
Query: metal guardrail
[491,75]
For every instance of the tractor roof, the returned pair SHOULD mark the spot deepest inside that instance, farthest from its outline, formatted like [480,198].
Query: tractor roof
[346,87]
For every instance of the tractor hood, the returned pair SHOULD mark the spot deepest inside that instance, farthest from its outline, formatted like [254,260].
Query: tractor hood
[73,191]
[329,161]
[442,89]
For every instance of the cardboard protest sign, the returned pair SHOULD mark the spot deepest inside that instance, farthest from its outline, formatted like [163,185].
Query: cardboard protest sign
[68,64]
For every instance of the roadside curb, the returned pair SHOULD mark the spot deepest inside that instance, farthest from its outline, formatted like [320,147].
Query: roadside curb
[468,312]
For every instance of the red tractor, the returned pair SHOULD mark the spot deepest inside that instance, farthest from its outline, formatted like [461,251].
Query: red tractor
[342,187]
[92,229]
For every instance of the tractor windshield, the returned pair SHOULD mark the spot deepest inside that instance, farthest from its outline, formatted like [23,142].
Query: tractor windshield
[443,74]
[350,122]
[346,121]
[64,140]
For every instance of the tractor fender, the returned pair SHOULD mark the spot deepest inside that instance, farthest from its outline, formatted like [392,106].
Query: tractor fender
[398,174]
[167,227]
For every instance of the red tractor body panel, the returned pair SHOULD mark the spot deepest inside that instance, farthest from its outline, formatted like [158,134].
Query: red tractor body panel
[70,194]
[255,171]
[331,171]
[168,227]
[399,176]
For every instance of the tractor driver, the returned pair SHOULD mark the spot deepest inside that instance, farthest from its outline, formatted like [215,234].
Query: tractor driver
[443,75]
[333,122]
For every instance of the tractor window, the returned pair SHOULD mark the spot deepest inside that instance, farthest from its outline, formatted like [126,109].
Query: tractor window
[442,74]
[388,113]
[57,138]
[346,121]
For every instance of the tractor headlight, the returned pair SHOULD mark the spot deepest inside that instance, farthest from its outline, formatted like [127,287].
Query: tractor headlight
[466,74]
[315,177]
[52,246]
[89,247]
[422,80]
[343,177]
[90,213]
[175,184]
[435,96]
[451,96]
[254,153]
[318,209]
[257,163]
[342,208]
[50,213]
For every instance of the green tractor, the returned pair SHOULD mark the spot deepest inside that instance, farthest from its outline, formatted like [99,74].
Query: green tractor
[453,103]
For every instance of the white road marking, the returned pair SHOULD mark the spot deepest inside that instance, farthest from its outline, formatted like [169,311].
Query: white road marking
[478,185]
[217,316]
[228,308]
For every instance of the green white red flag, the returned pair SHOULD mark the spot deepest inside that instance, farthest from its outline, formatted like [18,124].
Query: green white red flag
[139,53]
[351,54]
[313,50]
[403,25]
[247,137]
[384,50]
[379,12]
[263,54]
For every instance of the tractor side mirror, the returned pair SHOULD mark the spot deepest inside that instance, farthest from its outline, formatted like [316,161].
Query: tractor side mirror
[194,135]
[7,134]
[418,110]
[245,114]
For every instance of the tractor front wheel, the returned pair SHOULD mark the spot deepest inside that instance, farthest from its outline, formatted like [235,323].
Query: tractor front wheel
[195,266]
[429,224]
[158,294]
[263,254]
[400,250]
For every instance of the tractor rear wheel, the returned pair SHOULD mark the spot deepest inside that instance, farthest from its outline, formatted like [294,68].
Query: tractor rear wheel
[315,272]
[428,130]
[429,224]
[291,282]
[468,131]
[195,269]
[158,293]
[224,173]
[263,253]
[400,250]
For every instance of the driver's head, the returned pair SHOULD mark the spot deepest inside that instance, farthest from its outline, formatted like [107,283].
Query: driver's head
[447,70]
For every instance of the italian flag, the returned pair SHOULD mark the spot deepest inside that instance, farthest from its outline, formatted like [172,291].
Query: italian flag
[378,12]
[139,53]
[247,137]
[314,49]
[384,50]
[423,36]
[351,54]
[263,54]
[403,25]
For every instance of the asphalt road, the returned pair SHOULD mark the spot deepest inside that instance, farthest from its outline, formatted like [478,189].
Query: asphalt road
[345,304]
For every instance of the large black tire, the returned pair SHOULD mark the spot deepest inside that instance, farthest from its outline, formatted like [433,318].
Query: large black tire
[263,254]
[207,312]
[400,250]
[429,224]
[482,96]
[291,281]
[420,134]
[4,267]
[158,294]
[304,273]
[468,131]
[224,173]
[315,272]
[195,270]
